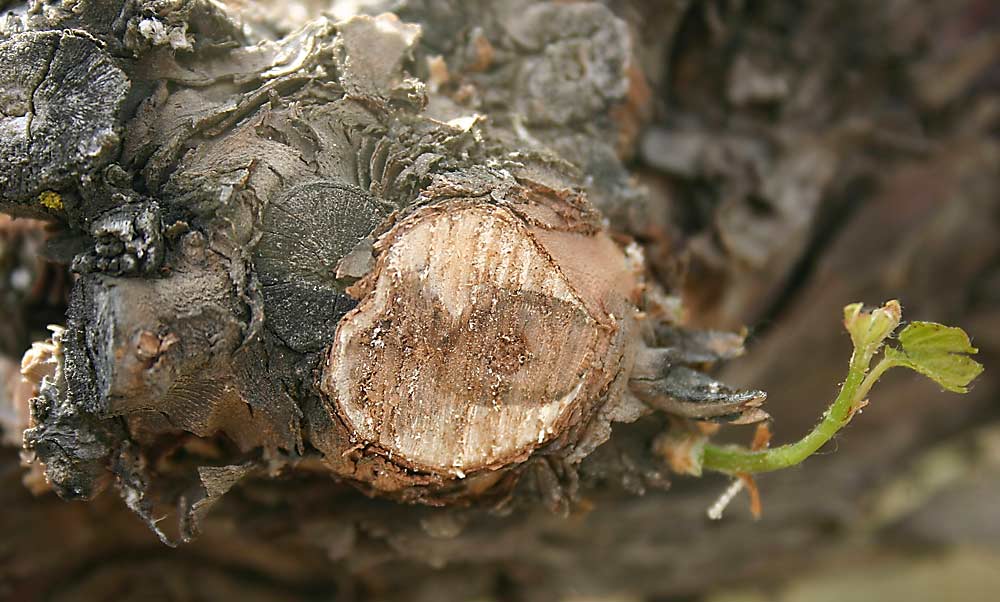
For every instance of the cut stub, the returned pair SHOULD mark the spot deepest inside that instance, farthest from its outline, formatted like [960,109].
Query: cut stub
[484,331]
[305,233]
[172,353]
[664,379]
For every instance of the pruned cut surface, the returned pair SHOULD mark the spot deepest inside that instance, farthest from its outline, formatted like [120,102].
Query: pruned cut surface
[471,348]
[59,97]
[305,234]
[236,181]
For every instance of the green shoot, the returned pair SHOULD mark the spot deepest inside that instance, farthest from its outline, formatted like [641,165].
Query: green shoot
[939,352]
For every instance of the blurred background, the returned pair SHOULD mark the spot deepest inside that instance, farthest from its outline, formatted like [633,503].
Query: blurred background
[814,154]
[798,156]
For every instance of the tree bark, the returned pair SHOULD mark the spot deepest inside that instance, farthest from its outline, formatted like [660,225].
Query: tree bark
[369,306]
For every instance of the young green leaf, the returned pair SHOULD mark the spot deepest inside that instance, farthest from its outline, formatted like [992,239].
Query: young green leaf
[939,352]
[869,329]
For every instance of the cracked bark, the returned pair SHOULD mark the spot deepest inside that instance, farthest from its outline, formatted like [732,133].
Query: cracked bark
[272,225]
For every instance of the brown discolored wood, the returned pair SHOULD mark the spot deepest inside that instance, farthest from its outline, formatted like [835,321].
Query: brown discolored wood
[872,177]
[474,344]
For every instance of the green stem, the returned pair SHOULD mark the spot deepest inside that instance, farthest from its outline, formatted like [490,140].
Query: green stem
[734,459]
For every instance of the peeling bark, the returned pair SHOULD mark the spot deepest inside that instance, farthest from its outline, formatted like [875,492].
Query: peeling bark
[309,248]
[455,255]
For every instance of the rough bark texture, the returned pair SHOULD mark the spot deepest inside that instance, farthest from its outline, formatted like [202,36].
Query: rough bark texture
[328,265]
